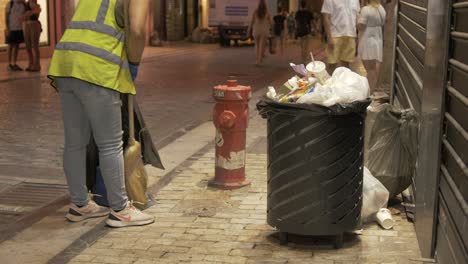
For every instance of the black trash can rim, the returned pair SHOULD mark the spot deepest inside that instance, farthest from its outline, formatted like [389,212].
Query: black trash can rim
[267,106]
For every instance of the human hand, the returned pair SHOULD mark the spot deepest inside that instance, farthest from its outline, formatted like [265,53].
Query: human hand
[133,70]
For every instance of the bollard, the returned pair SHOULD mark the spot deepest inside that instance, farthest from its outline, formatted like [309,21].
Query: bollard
[230,117]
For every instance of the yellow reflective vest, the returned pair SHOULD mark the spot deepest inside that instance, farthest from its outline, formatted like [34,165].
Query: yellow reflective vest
[92,48]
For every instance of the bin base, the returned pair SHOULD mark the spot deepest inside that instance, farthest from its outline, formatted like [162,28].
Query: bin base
[337,239]
[228,185]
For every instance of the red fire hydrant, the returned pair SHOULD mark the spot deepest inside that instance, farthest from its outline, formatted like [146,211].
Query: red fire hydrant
[230,117]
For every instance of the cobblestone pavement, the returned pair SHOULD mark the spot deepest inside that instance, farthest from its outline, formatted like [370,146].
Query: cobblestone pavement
[198,224]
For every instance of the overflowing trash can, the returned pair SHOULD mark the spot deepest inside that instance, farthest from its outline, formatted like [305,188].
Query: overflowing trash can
[315,167]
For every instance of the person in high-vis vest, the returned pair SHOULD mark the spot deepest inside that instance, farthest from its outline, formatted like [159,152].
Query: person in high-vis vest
[93,64]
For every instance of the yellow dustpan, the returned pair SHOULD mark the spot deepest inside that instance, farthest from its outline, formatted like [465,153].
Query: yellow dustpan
[136,179]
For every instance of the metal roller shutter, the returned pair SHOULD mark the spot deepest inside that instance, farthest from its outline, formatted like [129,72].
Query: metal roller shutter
[410,53]
[452,228]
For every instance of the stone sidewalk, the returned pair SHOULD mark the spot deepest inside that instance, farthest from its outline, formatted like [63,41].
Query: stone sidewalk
[198,224]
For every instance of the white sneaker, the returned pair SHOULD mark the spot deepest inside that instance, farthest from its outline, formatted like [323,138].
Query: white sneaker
[76,214]
[129,216]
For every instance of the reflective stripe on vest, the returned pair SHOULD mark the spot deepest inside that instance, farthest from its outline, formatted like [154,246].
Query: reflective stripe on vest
[97,52]
[101,28]
[92,48]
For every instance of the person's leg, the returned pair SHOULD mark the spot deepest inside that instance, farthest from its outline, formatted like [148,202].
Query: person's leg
[347,50]
[333,55]
[36,33]
[28,41]
[77,133]
[370,67]
[377,74]
[264,47]
[303,44]
[102,107]
[257,50]
[262,44]
[282,44]
[10,56]
[15,57]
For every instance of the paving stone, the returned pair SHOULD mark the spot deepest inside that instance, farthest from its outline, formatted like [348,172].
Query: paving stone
[247,221]
[226,259]
[84,258]
[112,259]
[251,252]
[184,257]
[170,249]
[227,226]
[210,250]
[233,245]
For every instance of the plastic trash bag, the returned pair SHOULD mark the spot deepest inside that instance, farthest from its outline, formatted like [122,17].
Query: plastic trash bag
[392,148]
[318,96]
[374,197]
[344,87]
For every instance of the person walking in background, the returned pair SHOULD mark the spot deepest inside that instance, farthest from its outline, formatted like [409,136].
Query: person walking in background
[32,32]
[370,48]
[280,29]
[340,18]
[14,11]
[291,26]
[260,29]
[90,74]
[304,20]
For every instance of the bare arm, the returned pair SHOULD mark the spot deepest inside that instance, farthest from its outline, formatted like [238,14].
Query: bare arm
[327,25]
[7,13]
[361,29]
[35,10]
[135,14]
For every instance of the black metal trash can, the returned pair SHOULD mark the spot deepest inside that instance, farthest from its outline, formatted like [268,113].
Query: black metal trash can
[315,167]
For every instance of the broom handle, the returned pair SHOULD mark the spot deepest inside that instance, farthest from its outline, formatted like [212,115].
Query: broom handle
[131,121]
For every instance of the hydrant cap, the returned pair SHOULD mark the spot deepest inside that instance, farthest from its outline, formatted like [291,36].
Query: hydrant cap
[232,83]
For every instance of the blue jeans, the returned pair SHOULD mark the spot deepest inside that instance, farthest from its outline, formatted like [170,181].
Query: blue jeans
[89,108]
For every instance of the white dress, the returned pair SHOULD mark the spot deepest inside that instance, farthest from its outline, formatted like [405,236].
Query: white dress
[371,42]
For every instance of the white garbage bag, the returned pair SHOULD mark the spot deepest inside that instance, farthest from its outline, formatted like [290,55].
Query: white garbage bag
[344,87]
[318,96]
[374,197]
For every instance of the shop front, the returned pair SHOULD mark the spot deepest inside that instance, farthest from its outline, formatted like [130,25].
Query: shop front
[54,18]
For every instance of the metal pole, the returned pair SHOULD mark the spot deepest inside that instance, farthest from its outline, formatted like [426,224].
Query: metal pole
[430,133]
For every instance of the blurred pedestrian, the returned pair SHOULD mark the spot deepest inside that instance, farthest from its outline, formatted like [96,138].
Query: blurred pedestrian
[14,11]
[260,30]
[280,29]
[32,32]
[304,20]
[370,49]
[90,74]
[340,26]
[291,26]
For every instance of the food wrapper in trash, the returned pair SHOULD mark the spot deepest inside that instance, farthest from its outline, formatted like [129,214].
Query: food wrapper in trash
[300,69]
[293,96]
[287,87]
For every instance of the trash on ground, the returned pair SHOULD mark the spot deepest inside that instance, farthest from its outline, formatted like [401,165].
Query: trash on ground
[384,218]
[392,148]
[374,197]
